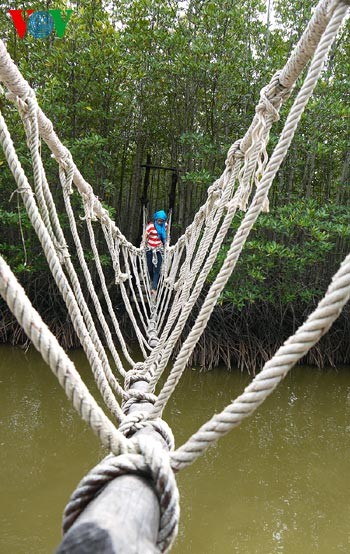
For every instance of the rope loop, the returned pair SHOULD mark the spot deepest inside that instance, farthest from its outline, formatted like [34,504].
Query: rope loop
[234,153]
[265,107]
[178,284]
[137,373]
[21,100]
[275,91]
[121,278]
[62,251]
[88,202]
[64,160]
[214,188]
[138,420]
[158,461]
[135,397]
[214,195]
[23,188]
[66,178]
[148,460]
[32,106]
[169,283]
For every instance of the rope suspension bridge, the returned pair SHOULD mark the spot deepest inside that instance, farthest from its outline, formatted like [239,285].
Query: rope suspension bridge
[140,443]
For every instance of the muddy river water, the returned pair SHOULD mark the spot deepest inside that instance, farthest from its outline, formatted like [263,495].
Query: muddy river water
[279,483]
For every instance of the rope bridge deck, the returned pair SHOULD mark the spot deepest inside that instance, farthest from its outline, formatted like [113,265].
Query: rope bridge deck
[140,443]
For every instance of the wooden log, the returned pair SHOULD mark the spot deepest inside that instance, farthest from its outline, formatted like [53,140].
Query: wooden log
[124,517]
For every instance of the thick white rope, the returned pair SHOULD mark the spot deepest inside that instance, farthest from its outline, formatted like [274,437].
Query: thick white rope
[48,209]
[184,302]
[136,275]
[88,219]
[167,348]
[254,210]
[27,111]
[114,247]
[151,462]
[43,193]
[267,113]
[288,76]
[169,280]
[62,367]
[130,456]
[186,272]
[56,270]
[129,269]
[317,324]
[260,197]
[66,181]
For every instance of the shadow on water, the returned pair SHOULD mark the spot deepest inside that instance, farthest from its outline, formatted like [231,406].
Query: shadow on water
[277,484]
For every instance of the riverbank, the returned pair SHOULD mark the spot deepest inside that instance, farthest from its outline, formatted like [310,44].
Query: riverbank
[244,338]
[249,337]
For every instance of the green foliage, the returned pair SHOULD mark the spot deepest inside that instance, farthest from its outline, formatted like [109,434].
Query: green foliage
[290,255]
[180,81]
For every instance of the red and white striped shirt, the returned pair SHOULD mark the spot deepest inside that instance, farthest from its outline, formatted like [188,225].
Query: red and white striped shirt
[152,238]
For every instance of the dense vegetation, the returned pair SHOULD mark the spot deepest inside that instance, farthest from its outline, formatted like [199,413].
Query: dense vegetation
[176,83]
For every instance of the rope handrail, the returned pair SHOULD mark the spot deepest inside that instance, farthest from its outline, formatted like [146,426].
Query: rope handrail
[317,324]
[158,322]
[56,358]
[20,88]
[254,210]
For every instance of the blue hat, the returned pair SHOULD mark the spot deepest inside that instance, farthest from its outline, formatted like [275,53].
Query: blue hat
[160,215]
[160,227]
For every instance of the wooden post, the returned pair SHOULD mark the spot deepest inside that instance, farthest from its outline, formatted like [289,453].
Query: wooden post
[146,182]
[172,194]
[124,517]
[144,197]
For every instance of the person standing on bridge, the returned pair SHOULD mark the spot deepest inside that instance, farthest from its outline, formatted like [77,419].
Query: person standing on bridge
[155,239]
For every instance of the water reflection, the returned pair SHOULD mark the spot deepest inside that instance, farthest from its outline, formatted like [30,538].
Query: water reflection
[277,484]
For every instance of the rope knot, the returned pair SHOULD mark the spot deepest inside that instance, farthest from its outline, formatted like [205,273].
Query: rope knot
[179,284]
[234,153]
[138,420]
[265,106]
[169,282]
[64,159]
[23,188]
[21,100]
[121,278]
[137,373]
[215,188]
[88,202]
[136,397]
[62,251]
[214,195]
[66,177]
[278,91]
